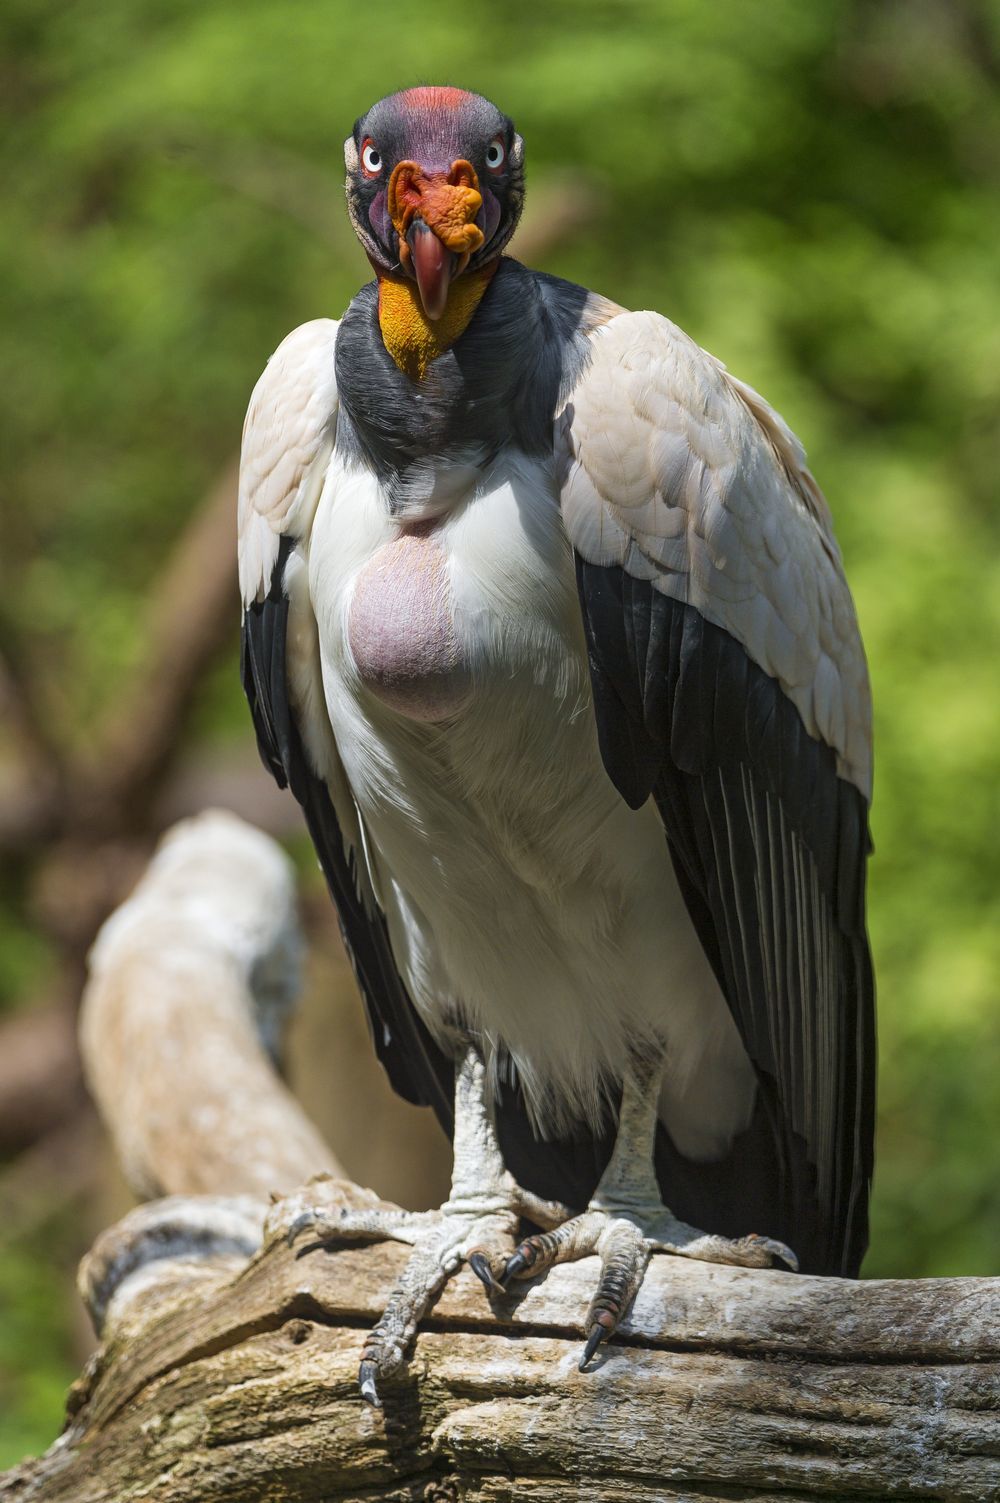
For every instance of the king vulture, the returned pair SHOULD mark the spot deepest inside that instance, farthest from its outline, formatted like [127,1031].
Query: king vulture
[545,627]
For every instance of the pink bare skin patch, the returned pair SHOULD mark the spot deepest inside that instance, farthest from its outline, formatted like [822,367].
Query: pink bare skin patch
[401,631]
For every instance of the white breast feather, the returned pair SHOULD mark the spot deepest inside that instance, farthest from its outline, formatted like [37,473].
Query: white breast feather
[525,901]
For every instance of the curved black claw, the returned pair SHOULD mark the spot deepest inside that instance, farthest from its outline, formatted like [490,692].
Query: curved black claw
[515,1266]
[534,1255]
[776,1249]
[480,1265]
[366,1378]
[599,1331]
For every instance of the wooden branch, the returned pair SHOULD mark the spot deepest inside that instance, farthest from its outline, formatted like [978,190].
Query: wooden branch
[191,983]
[32,788]
[61,1170]
[228,1365]
[220,1380]
[21,708]
[40,1081]
[193,613]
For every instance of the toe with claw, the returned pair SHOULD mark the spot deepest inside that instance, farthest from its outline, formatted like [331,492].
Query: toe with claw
[478,1224]
[624,1238]
[624,1225]
[441,1241]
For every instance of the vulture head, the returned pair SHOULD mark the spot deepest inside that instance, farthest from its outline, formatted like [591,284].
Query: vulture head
[435,184]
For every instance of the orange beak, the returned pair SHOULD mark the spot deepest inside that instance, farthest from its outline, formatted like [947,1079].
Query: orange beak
[433,214]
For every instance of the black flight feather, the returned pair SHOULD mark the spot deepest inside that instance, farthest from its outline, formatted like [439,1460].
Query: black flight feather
[769,845]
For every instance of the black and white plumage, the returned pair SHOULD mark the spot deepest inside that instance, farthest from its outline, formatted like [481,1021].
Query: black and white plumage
[552,642]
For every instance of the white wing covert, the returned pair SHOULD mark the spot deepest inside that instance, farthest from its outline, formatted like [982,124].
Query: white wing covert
[684,476]
[288,437]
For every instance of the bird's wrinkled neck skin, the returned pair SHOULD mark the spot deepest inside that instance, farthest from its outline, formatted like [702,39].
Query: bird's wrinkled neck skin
[414,340]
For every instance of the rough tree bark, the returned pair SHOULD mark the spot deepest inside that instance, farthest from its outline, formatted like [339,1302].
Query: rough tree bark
[228,1364]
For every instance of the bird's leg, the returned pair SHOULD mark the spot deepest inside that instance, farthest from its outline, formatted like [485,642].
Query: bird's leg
[626,1220]
[478,1223]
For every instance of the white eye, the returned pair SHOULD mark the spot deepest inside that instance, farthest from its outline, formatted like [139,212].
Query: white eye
[496,155]
[371,159]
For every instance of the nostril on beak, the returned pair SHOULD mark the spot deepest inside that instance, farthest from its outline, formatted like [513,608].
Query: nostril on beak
[462,174]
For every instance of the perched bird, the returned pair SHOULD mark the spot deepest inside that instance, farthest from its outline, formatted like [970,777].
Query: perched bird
[546,629]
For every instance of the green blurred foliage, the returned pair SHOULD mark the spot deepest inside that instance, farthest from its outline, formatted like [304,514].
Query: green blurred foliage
[809,188]
[36,1365]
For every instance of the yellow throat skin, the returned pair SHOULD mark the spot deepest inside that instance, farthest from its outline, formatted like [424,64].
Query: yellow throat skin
[411,338]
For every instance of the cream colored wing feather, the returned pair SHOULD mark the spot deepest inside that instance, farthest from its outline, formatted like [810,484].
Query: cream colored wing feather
[686,478]
[288,437]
